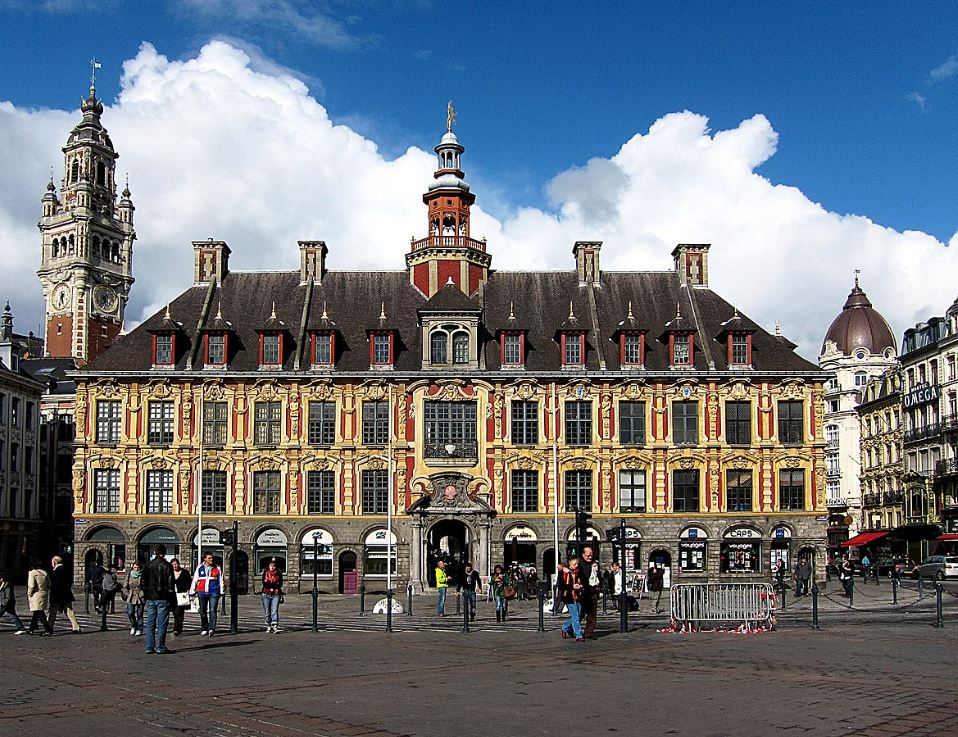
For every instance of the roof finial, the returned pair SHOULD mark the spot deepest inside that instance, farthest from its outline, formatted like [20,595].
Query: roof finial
[630,311]
[272,315]
[778,328]
[219,310]
[382,311]
[324,315]
[450,116]
[678,311]
[571,313]
[735,310]
[857,272]
[167,315]
[512,314]
[94,65]
[450,282]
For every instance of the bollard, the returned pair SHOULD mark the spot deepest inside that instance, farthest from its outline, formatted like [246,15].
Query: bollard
[624,611]
[876,575]
[465,617]
[894,590]
[784,589]
[409,600]
[851,593]
[389,610]
[103,627]
[362,600]
[223,604]
[542,603]
[921,589]
[458,602]
[815,606]
[939,620]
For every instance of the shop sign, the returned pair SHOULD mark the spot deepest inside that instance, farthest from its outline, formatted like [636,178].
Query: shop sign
[211,537]
[80,521]
[743,533]
[590,534]
[522,534]
[781,533]
[324,538]
[693,545]
[271,538]
[632,534]
[693,533]
[379,537]
[740,546]
[922,395]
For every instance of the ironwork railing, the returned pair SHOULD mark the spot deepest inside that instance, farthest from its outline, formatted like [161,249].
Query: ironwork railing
[947,467]
[922,433]
[448,241]
[871,500]
[459,449]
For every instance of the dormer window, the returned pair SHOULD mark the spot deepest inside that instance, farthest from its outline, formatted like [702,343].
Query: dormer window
[163,349]
[573,350]
[681,349]
[513,348]
[216,349]
[381,349]
[438,346]
[460,347]
[440,340]
[271,349]
[323,350]
[740,349]
[630,336]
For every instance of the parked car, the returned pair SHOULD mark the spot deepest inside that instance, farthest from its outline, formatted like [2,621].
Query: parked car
[939,567]
[909,568]
[888,566]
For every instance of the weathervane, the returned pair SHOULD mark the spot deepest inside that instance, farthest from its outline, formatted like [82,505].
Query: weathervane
[450,116]
[857,272]
[94,65]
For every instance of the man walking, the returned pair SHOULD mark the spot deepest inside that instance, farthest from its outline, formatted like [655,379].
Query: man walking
[8,604]
[616,576]
[442,587]
[61,594]
[159,592]
[468,585]
[95,581]
[803,572]
[591,589]
[208,587]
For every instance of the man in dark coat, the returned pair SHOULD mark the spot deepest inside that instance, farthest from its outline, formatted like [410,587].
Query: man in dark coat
[159,592]
[591,589]
[61,594]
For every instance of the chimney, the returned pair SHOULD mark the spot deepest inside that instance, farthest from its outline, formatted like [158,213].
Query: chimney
[692,264]
[587,262]
[312,261]
[211,261]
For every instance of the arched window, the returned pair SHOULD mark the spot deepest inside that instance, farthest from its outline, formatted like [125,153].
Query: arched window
[100,173]
[56,247]
[460,347]
[438,346]
[71,246]
[75,171]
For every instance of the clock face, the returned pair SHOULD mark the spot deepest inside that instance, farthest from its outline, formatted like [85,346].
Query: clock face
[105,299]
[61,298]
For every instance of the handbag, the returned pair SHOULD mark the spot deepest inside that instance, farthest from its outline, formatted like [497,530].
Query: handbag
[182,598]
[508,592]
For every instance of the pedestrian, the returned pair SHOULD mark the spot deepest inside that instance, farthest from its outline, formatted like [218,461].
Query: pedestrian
[272,595]
[61,594]
[135,602]
[95,582]
[501,581]
[803,574]
[181,582]
[591,590]
[616,581]
[846,574]
[655,580]
[469,584]
[159,592]
[38,594]
[442,587]
[866,565]
[8,604]
[208,587]
[780,576]
[109,586]
[571,590]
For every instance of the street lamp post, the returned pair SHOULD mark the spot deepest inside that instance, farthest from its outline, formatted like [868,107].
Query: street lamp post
[316,536]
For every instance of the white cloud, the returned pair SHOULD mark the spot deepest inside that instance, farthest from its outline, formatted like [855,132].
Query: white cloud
[948,68]
[917,98]
[217,148]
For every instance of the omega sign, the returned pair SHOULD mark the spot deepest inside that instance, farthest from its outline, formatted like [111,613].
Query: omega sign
[922,395]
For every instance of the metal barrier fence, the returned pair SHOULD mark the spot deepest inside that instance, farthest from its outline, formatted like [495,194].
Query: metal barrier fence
[695,604]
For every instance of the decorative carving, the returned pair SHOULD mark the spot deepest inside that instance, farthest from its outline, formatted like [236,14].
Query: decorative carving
[267,391]
[634,389]
[185,489]
[792,389]
[712,409]
[579,389]
[686,463]
[686,389]
[634,461]
[79,411]
[605,411]
[580,464]
[159,389]
[376,464]
[792,462]
[374,390]
[214,390]
[525,462]
[523,389]
[739,390]
[322,389]
[108,389]
[497,414]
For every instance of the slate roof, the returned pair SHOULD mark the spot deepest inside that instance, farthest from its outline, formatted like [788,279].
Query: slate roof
[540,303]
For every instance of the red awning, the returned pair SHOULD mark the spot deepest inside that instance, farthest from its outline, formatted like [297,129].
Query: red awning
[864,539]
[948,536]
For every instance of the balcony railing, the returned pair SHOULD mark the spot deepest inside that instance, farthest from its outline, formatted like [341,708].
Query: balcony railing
[871,500]
[448,241]
[893,497]
[947,467]
[922,433]
[459,449]
[831,445]
[949,423]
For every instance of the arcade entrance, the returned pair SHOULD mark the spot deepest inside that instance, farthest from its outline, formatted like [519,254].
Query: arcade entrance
[449,540]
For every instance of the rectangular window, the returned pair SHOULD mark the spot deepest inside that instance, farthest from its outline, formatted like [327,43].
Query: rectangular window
[578,491]
[322,423]
[692,556]
[214,492]
[680,350]
[159,492]
[632,350]
[685,491]
[632,423]
[525,423]
[790,422]
[381,350]
[160,428]
[214,424]
[323,350]
[631,491]
[106,490]
[512,350]
[28,459]
[375,423]
[108,421]
[30,409]
[375,492]
[320,492]
[738,423]
[740,350]
[451,424]
[164,350]
[266,423]
[15,412]
[573,350]
[525,491]
[271,350]
[266,492]
[578,423]
[791,489]
[738,490]
[685,423]
[15,457]
[216,349]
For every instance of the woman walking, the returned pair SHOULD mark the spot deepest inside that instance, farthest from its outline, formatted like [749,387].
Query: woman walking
[135,601]
[38,594]
[570,588]
[500,580]
[272,595]
[181,583]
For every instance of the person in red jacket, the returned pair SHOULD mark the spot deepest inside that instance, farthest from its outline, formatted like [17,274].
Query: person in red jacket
[208,587]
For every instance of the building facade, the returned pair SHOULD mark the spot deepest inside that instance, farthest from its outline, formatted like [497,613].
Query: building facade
[858,345]
[448,409]
[881,452]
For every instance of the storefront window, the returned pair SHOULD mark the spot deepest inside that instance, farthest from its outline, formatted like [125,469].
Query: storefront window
[376,552]
[740,557]
[271,545]
[692,556]
[318,557]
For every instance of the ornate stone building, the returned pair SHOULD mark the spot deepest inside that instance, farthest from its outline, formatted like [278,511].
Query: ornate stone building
[470,410]
[881,452]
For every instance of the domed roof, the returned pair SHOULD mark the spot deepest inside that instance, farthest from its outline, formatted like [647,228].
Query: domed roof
[859,325]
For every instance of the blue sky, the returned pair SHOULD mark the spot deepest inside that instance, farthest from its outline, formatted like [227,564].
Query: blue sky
[863,125]
[802,140]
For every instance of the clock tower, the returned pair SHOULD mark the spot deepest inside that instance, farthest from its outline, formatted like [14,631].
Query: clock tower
[86,263]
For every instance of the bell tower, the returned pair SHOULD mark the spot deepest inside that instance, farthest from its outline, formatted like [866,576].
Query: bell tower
[448,252]
[86,261]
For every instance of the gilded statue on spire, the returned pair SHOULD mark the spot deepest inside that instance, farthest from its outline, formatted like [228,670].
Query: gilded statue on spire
[450,116]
